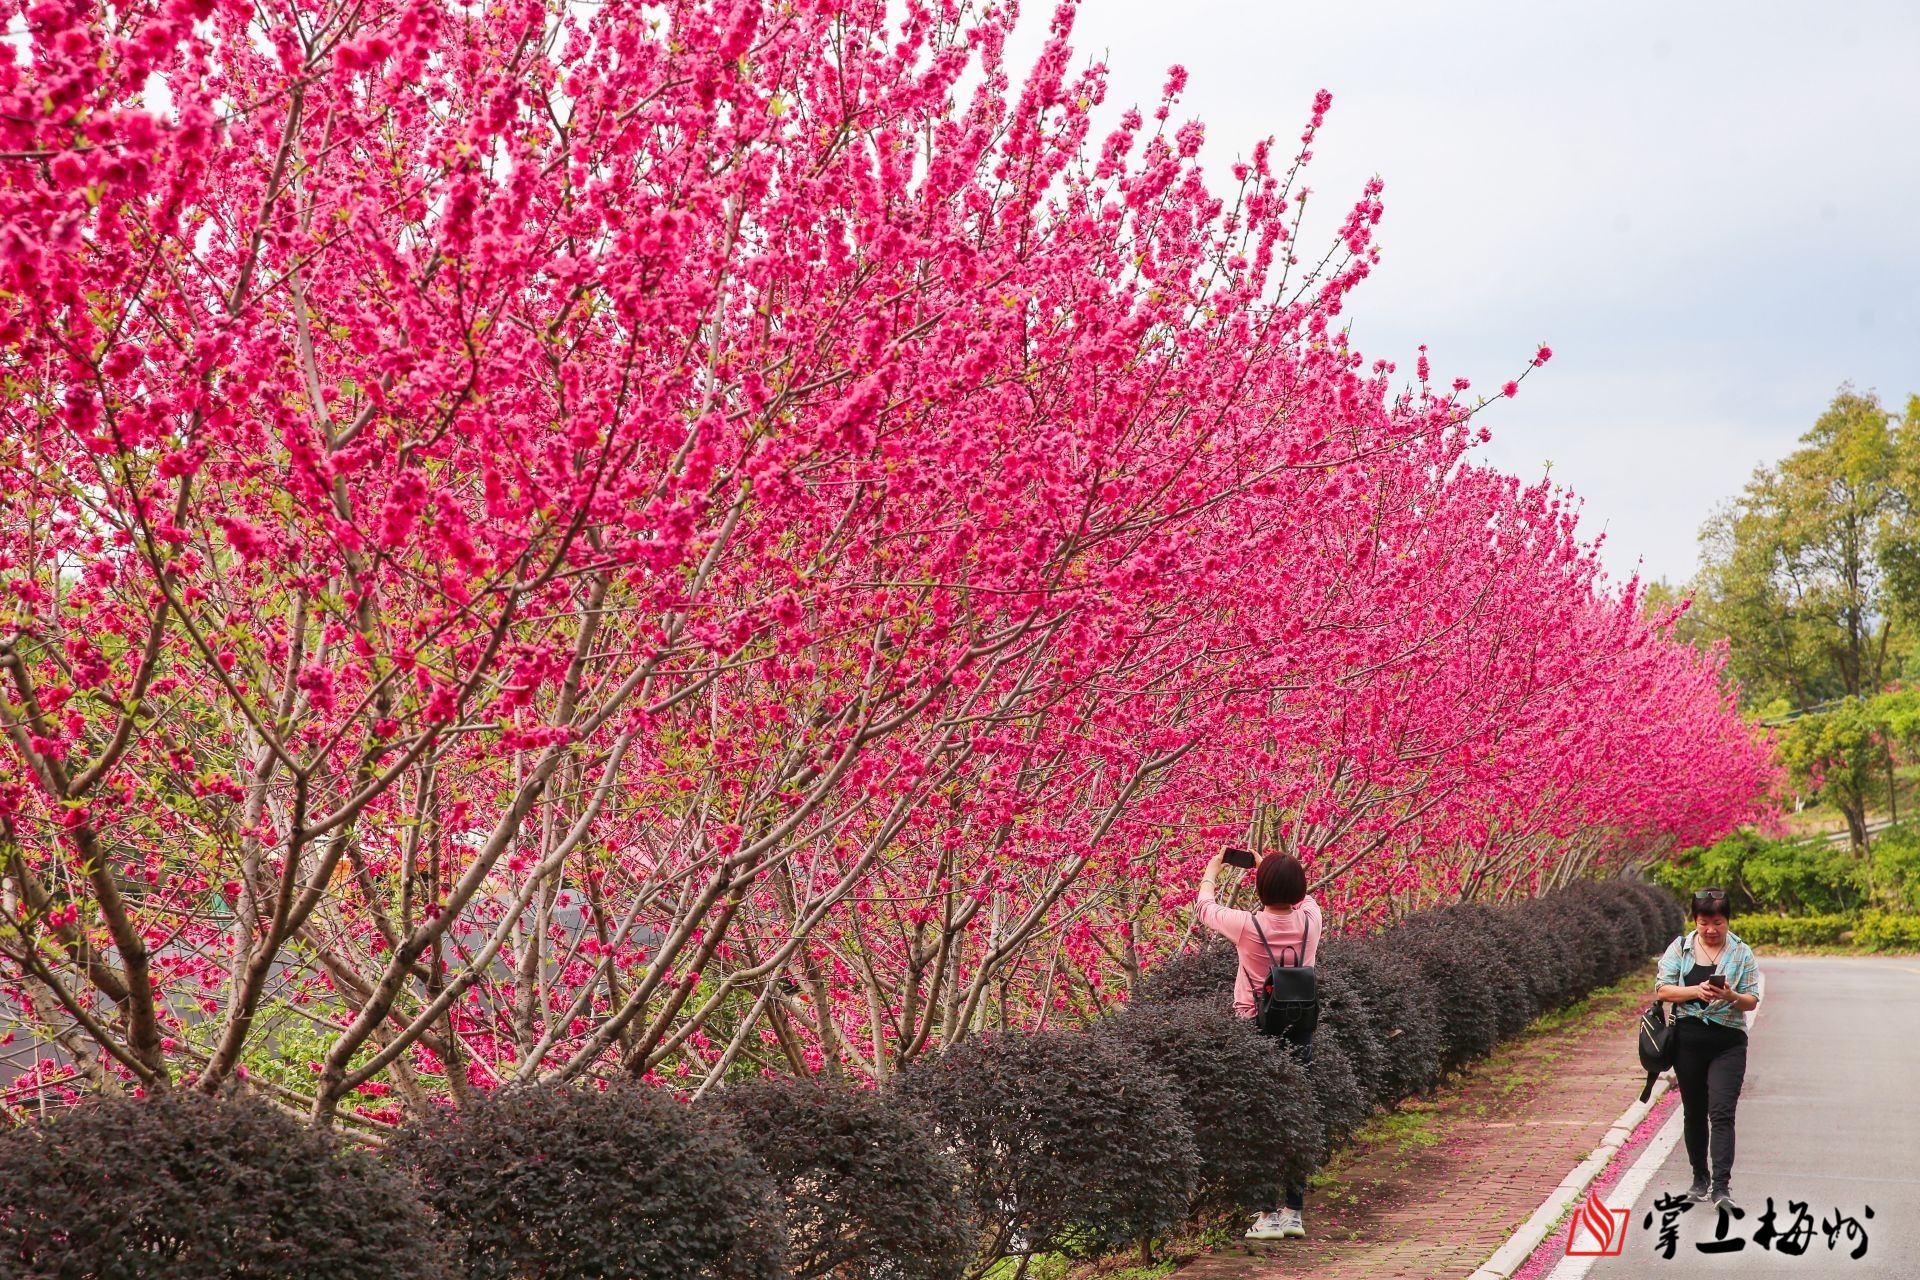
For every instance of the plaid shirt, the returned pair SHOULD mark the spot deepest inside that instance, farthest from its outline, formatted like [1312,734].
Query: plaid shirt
[1736,962]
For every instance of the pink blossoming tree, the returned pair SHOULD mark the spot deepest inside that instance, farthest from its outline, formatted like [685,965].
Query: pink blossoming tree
[543,542]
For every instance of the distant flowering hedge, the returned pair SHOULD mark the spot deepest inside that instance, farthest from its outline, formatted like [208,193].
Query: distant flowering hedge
[1078,1141]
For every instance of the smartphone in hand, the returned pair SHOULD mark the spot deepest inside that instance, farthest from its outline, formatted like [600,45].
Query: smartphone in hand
[1242,858]
[1717,984]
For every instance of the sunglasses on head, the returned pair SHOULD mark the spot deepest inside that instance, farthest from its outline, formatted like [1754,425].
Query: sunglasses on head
[1710,902]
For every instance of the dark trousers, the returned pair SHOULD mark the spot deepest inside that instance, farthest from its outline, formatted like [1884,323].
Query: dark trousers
[1296,1195]
[1711,1062]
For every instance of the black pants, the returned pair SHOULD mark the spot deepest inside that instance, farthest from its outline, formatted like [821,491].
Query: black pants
[1295,1196]
[1711,1061]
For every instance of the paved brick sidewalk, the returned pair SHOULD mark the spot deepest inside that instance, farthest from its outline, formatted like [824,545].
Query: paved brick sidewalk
[1433,1190]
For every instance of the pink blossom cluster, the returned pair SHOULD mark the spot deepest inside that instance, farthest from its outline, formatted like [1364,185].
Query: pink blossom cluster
[721,536]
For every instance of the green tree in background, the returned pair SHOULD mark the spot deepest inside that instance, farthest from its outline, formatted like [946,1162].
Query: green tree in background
[1812,574]
[1810,577]
[1842,753]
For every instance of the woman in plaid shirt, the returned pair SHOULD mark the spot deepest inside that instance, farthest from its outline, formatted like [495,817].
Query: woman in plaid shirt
[1712,980]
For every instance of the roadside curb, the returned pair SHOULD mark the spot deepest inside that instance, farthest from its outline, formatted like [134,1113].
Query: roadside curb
[1509,1257]
[1630,1184]
[1519,1248]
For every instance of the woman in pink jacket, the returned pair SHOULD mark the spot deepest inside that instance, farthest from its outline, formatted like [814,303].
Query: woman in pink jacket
[1290,921]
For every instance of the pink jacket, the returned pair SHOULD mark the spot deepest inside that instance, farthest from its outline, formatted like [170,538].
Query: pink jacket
[1284,927]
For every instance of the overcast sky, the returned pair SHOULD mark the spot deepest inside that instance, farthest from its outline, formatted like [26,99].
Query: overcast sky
[1709,210]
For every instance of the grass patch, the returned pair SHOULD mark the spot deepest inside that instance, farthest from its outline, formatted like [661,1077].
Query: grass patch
[1327,1180]
[1635,986]
[1111,1268]
[1560,1019]
[1039,1266]
[1407,1130]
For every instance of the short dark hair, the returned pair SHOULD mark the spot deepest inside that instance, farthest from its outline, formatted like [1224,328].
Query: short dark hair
[1281,880]
[1709,902]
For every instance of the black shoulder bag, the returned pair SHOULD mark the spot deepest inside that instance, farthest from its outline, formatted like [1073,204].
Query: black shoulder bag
[1656,1040]
[1287,1004]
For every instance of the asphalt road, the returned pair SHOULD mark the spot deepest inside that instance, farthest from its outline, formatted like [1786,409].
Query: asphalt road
[1830,1115]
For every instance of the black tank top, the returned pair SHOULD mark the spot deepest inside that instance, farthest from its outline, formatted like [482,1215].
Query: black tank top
[1696,1010]
[1699,974]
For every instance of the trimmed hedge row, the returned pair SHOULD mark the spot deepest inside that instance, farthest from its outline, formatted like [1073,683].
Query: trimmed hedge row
[567,1182]
[1077,1142]
[1865,930]
[183,1187]
[865,1190]
[1239,1096]
[1887,931]
[1794,931]
[1071,1143]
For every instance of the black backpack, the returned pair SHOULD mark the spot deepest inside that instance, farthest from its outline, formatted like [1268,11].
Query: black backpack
[1288,1003]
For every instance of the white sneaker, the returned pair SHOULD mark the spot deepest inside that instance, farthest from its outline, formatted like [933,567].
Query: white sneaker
[1292,1223]
[1268,1226]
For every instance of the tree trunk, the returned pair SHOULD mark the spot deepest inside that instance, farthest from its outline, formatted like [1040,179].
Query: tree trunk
[1893,799]
[1855,812]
